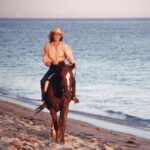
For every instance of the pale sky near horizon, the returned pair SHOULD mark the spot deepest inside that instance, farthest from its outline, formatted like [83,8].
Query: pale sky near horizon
[74,8]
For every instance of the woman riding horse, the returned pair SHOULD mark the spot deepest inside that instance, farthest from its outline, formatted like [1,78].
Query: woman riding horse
[55,52]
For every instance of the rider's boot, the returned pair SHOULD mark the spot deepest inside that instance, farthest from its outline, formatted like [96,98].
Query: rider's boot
[75,99]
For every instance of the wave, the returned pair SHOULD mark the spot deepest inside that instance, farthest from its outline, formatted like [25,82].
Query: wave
[3,91]
[129,118]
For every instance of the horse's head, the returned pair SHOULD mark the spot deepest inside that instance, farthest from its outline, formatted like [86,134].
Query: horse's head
[67,78]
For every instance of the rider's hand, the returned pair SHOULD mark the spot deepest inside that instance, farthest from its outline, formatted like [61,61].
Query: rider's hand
[55,62]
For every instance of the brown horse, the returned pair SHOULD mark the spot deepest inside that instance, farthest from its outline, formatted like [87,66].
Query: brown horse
[57,98]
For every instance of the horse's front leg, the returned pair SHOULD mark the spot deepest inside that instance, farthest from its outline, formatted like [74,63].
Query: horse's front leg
[62,123]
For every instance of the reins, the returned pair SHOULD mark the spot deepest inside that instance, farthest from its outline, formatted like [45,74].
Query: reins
[75,73]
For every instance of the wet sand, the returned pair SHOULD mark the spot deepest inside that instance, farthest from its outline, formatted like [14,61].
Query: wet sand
[21,130]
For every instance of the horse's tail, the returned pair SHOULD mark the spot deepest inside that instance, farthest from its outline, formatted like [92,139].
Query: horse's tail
[40,108]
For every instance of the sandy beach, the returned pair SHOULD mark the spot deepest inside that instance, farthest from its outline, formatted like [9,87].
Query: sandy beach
[21,130]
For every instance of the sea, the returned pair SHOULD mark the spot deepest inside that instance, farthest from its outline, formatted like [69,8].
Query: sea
[112,57]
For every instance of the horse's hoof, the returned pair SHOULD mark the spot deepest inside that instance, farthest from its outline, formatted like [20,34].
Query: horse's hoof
[61,143]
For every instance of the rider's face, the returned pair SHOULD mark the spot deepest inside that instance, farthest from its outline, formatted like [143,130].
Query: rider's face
[57,36]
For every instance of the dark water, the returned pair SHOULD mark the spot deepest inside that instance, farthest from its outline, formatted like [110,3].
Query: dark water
[112,56]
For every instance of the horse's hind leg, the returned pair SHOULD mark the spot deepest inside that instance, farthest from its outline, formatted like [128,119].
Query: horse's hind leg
[54,127]
[53,132]
[62,123]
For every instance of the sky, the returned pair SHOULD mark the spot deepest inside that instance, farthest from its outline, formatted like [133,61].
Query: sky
[74,8]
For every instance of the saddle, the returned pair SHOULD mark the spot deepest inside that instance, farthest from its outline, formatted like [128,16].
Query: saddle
[47,82]
[55,83]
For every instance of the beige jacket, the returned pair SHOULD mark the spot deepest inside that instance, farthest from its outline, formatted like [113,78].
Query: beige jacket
[52,56]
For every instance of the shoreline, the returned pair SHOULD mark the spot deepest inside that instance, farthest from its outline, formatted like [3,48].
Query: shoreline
[94,120]
[19,128]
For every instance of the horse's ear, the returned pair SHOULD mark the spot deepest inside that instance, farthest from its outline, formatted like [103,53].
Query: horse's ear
[73,66]
[62,63]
